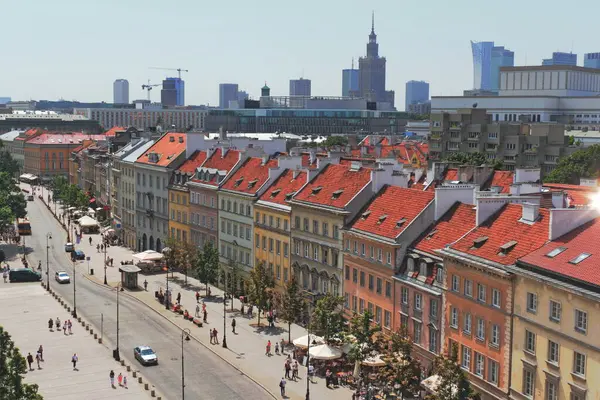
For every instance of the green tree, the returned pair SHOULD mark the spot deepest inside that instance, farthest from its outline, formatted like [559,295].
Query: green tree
[453,382]
[292,304]
[475,159]
[207,265]
[400,367]
[261,282]
[584,163]
[12,369]
[7,163]
[335,141]
[327,319]
[12,202]
[363,330]
[571,140]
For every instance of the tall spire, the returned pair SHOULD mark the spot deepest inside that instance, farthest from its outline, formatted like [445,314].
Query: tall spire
[373,21]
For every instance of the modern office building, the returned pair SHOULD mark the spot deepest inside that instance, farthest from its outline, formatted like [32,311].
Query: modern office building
[241,97]
[300,87]
[349,81]
[143,117]
[487,60]
[4,100]
[423,108]
[227,92]
[416,92]
[591,60]
[371,75]
[121,91]
[173,92]
[559,58]
[47,120]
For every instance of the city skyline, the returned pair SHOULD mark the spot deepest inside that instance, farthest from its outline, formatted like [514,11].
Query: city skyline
[84,74]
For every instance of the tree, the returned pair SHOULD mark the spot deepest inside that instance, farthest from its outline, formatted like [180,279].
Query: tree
[207,265]
[261,281]
[475,159]
[571,140]
[584,163]
[363,330]
[335,141]
[400,368]
[181,254]
[453,382]
[7,163]
[12,368]
[327,319]
[292,304]
[12,202]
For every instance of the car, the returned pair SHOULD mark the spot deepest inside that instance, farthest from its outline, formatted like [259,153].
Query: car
[145,355]
[24,275]
[62,277]
[30,197]
[77,255]
[69,247]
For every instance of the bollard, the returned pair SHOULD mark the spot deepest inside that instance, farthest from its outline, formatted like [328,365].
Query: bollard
[87,327]
[134,374]
[91,330]
[140,380]
[146,386]
[128,368]
[99,340]
[95,336]
[122,363]
[152,393]
[79,319]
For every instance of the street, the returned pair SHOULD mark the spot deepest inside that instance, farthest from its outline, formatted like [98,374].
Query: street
[207,376]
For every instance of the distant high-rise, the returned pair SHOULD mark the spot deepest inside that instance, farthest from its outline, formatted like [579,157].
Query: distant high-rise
[300,87]
[591,60]
[487,60]
[559,58]
[241,97]
[227,92]
[173,92]
[349,81]
[416,92]
[121,91]
[371,76]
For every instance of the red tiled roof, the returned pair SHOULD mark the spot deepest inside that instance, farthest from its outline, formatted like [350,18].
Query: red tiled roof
[578,195]
[220,163]
[504,227]
[451,174]
[503,179]
[193,162]
[283,186]
[306,161]
[392,210]
[250,176]
[583,239]
[32,131]
[452,226]
[63,138]
[112,132]
[167,150]
[335,185]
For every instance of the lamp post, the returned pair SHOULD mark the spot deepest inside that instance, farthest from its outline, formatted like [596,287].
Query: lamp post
[105,281]
[308,366]
[167,291]
[48,237]
[185,332]
[224,312]
[116,354]
[74,291]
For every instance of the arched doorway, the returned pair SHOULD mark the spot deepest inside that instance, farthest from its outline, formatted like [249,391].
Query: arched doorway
[158,245]
[151,245]
[144,242]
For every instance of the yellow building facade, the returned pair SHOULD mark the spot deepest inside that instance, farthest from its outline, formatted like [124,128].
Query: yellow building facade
[179,213]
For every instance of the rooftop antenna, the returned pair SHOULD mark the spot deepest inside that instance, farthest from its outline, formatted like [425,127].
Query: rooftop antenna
[352,62]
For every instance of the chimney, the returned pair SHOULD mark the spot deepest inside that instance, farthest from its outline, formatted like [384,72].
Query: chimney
[558,200]
[486,207]
[564,220]
[222,134]
[531,212]
[312,154]
[465,173]
[265,158]
[378,150]
[446,196]
[482,174]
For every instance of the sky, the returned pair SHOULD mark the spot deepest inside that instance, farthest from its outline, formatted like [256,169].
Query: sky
[75,49]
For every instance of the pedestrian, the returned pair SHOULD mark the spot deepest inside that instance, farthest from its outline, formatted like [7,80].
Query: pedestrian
[112,378]
[233,325]
[74,360]
[5,275]
[50,324]
[70,326]
[65,328]
[125,382]
[282,387]
[98,248]
[41,352]
[197,297]
[120,379]
[197,310]
[179,298]
[203,306]
[37,359]
[277,348]
[205,314]
[268,349]
[145,285]
[39,264]
[282,346]
[30,361]
[295,370]
[311,372]
[215,335]
[57,324]
[90,240]
[210,331]
[111,261]
[288,368]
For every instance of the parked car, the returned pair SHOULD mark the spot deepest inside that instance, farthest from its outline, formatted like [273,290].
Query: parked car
[77,255]
[24,275]
[69,247]
[62,277]
[30,197]
[145,355]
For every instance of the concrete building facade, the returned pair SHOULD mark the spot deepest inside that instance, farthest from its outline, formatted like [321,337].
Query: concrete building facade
[300,87]
[416,92]
[350,81]
[560,58]
[144,118]
[121,91]
[228,92]
[591,60]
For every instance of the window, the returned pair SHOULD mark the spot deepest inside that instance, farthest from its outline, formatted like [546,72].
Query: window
[286,250]
[378,315]
[551,390]
[370,308]
[347,272]
[530,341]
[495,336]
[362,278]
[555,311]
[480,334]
[362,249]
[379,255]
[388,289]
[325,229]
[455,283]
[418,301]
[553,351]
[466,358]
[433,308]
[297,222]
[257,240]
[454,318]
[315,227]
[347,300]
[355,247]
[581,321]
[528,382]
[468,288]
[496,298]
[467,324]
[579,363]
[433,339]
[306,224]
[479,364]
[404,295]
[285,224]
[264,242]
[579,258]
[354,301]
[336,232]
[379,286]
[354,275]
[481,293]
[278,247]
[257,217]
[315,251]
[361,306]
[306,250]
[439,277]
[417,332]
[371,284]
[532,303]
[493,369]
[371,252]
[387,319]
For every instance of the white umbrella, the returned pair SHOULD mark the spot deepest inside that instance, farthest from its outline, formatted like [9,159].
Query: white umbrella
[148,255]
[302,342]
[325,352]
[374,361]
[87,221]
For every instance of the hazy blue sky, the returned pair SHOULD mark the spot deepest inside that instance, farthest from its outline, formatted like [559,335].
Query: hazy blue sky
[75,49]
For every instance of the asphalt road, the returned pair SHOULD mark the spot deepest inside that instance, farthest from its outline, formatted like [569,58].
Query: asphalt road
[206,375]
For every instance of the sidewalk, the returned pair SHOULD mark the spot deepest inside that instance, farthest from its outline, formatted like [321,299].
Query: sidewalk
[246,349]
[26,308]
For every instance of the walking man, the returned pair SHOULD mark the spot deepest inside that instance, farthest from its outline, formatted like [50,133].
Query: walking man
[215,335]
[288,368]
[233,325]
[37,359]
[50,324]
[282,387]
[211,336]
[125,382]
[30,361]
[41,352]
[205,314]
[74,360]
[295,370]
[268,349]
[197,310]
[90,240]
[65,328]
[5,275]
[145,285]
[112,378]
[197,297]
[179,298]
[70,326]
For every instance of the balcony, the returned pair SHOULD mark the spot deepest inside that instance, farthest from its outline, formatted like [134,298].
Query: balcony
[473,138]
[149,213]
[435,136]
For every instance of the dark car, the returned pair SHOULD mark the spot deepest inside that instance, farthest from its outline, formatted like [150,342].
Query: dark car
[77,255]
[24,275]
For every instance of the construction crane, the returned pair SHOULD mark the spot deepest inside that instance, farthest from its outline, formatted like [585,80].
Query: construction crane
[149,87]
[179,70]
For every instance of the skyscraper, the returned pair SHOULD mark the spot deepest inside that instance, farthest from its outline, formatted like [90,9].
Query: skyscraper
[416,92]
[300,87]
[371,76]
[227,92]
[591,60]
[121,91]
[559,58]
[173,92]
[487,60]
[349,81]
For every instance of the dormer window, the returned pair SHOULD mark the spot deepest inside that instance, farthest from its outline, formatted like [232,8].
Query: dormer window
[239,181]
[400,222]
[366,214]
[288,196]
[480,241]
[431,234]
[382,219]
[252,183]
[579,258]
[337,194]
[316,190]
[555,252]
[508,246]
[275,192]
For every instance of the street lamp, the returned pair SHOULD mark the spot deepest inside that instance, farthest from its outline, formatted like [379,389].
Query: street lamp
[116,355]
[187,334]
[48,237]
[105,281]
[225,312]
[167,292]
[74,290]
[308,366]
